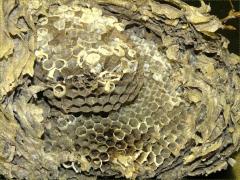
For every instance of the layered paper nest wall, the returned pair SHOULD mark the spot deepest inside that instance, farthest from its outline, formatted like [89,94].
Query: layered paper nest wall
[134,89]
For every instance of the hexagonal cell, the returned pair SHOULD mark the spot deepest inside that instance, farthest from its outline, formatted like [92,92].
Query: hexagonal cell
[180,140]
[110,142]
[159,159]
[133,122]
[89,124]
[136,134]
[106,123]
[85,109]
[105,166]
[121,145]
[142,157]
[123,119]
[102,148]
[80,131]
[59,90]
[118,134]
[165,153]
[91,100]
[100,138]
[62,123]
[126,128]
[120,89]
[107,108]
[143,127]
[99,128]
[48,64]
[129,139]
[147,148]
[180,127]
[91,134]
[97,108]
[104,156]
[108,133]
[130,150]
[94,153]
[96,163]
[78,101]
[85,150]
[117,106]
[145,137]
[116,125]
[93,144]
[156,148]
[169,138]
[123,98]
[150,121]
[59,63]
[114,99]
[138,144]
[103,99]
[151,157]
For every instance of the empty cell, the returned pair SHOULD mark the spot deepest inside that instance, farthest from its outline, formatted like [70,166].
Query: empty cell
[59,63]
[110,142]
[94,153]
[91,100]
[79,101]
[120,89]
[85,150]
[91,134]
[143,127]
[102,148]
[142,157]
[89,124]
[47,64]
[165,153]
[59,90]
[108,133]
[133,122]
[150,121]
[151,157]
[100,138]
[97,108]
[147,148]
[138,144]
[103,99]
[126,128]
[107,108]
[80,131]
[156,148]
[118,134]
[159,159]
[114,99]
[85,109]
[121,145]
[99,128]
[116,125]
[104,156]
[136,134]
[96,163]
[117,106]
[129,139]
[123,98]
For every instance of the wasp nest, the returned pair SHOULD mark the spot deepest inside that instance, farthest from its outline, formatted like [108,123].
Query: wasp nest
[134,89]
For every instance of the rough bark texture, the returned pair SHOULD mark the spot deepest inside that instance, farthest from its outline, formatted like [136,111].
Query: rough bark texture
[133,89]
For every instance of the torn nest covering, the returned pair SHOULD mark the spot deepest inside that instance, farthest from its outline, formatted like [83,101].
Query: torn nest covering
[134,89]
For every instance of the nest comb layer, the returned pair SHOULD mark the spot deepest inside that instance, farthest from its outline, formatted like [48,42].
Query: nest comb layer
[86,59]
